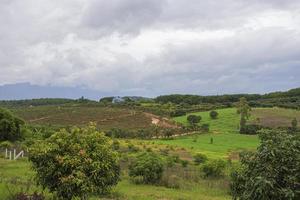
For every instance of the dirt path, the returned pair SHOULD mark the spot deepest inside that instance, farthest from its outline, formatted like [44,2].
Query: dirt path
[162,122]
[39,119]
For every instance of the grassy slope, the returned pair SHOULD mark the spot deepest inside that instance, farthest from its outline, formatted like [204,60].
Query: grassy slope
[10,170]
[224,132]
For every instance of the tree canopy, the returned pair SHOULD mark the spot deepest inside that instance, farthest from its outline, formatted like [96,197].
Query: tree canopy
[271,173]
[76,163]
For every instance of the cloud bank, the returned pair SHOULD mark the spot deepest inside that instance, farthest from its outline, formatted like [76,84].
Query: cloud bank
[152,47]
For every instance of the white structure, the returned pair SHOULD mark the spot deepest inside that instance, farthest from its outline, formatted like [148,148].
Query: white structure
[8,154]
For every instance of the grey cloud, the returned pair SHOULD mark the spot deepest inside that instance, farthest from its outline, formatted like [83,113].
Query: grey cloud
[85,43]
[124,16]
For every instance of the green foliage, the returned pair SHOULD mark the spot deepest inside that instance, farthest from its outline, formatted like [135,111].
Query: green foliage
[244,110]
[193,120]
[213,114]
[6,144]
[149,166]
[200,158]
[251,129]
[184,163]
[11,127]
[75,163]
[214,168]
[177,113]
[273,172]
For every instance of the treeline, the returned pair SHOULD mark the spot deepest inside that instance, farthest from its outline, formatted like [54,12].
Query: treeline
[42,102]
[289,99]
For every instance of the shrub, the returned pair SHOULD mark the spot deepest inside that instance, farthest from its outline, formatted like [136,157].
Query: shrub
[205,127]
[214,168]
[76,163]
[200,158]
[116,145]
[178,113]
[149,166]
[272,172]
[250,129]
[193,119]
[133,148]
[213,114]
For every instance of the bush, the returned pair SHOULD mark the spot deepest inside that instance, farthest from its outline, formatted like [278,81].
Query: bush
[272,172]
[213,114]
[214,168]
[178,113]
[250,129]
[133,148]
[200,158]
[205,127]
[76,163]
[149,166]
[193,119]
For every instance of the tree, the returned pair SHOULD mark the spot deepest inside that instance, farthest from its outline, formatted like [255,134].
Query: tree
[271,173]
[76,163]
[193,120]
[149,166]
[11,127]
[213,114]
[244,110]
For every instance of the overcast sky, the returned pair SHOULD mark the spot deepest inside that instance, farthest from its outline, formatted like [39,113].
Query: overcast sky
[152,47]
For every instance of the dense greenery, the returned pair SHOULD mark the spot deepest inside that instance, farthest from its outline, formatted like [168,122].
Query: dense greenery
[76,163]
[271,173]
[11,127]
[149,166]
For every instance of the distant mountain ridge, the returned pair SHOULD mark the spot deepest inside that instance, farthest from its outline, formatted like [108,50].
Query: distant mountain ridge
[28,91]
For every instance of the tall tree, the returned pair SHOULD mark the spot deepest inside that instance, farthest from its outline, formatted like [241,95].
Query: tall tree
[243,109]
